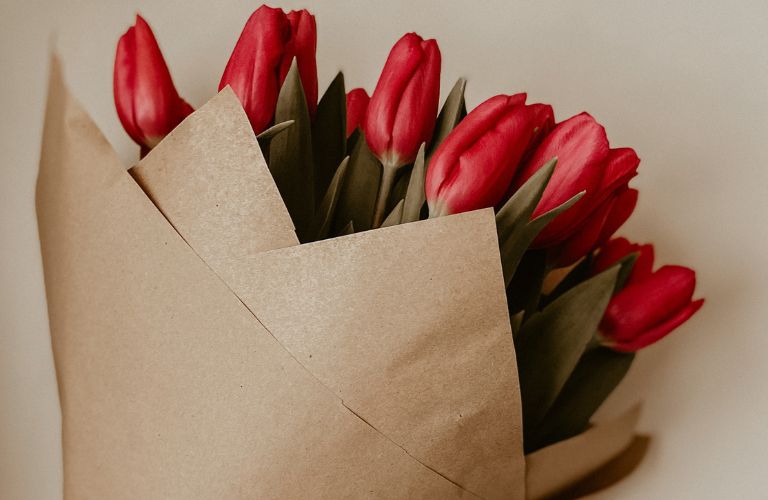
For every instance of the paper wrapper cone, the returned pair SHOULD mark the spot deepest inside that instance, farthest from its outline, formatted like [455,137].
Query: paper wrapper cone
[201,353]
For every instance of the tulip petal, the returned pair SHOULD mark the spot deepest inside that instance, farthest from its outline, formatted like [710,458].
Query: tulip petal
[644,264]
[623,206]
[303,46]
[596,228]
[583,240]
[357,105]
[620,166]
[644,304]
[124,83]
[417,110]
[660,331]
[611,252]
[155,99]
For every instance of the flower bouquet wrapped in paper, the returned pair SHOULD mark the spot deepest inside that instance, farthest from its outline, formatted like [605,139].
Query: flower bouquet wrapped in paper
[343,298]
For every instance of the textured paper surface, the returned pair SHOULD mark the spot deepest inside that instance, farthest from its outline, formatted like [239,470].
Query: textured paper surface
[408,325]
[169,387]
[556,467]
[215,169]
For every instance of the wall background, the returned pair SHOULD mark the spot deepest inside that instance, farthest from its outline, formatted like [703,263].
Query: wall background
[684,83]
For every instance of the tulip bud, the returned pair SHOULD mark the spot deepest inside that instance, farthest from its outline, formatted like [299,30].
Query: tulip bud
[650,305]
[303,46]
[254,67]
[403,108]
[585,163]
[475,164]
[147,103]
[357,104]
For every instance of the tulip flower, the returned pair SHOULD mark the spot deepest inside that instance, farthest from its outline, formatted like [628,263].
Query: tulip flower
[357,104]
[403,109]
[475,164]
[650,305]
[262,57]
[254,67]
[596,229]
[303,46]
[147,102]
[585,163]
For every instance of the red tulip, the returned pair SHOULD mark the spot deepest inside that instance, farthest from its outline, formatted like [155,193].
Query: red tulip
[303,46]
[357,104]
[474,166]
[147,103]
[254,66]
[596,229]
[262,57]
[403,107]
[585,163]
[650,305]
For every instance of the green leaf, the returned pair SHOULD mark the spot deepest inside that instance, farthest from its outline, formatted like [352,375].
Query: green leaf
[400,187]
[324,214]
[329,134]
[553,340]
[290,155]
[515,215]
[414,195]
[582,271]
[524,291]
[453,110]
[533,228]
[352,139]
[595,377]
[394,216]
[516,230]
[274,130]
[358,195]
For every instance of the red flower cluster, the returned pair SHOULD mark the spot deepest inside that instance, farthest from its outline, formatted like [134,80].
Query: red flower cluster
[503,142]
[488,156]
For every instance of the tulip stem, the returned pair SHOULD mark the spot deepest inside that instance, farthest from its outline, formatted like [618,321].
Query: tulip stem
[388,174]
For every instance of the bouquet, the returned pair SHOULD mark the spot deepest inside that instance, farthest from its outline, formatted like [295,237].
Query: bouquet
[343,297]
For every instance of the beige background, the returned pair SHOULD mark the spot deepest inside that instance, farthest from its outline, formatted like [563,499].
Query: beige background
[684,83]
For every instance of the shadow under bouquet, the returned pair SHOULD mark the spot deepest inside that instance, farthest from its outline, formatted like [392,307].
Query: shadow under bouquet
[348,297]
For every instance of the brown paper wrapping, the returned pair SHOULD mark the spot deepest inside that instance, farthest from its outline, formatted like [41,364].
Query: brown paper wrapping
[408,325]
[201,354]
